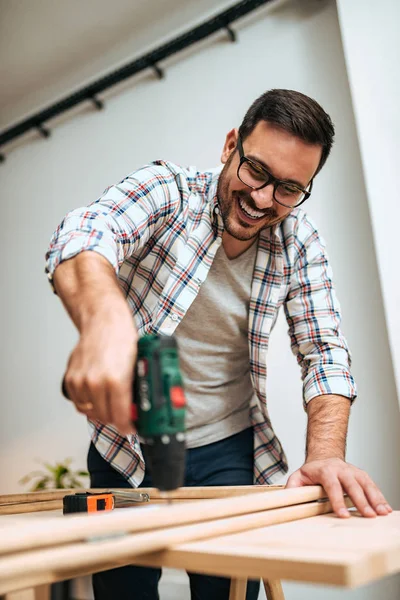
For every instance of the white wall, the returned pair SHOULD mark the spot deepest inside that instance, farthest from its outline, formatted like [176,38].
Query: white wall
[185,118]
[370,32]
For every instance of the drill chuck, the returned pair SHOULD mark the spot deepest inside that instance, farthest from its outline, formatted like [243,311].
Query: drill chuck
[166,461]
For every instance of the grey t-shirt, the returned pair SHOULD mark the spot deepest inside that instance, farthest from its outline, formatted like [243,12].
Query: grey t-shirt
[214,351]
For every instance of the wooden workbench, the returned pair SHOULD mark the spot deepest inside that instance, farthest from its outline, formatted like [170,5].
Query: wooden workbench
[323,549]
[316,549]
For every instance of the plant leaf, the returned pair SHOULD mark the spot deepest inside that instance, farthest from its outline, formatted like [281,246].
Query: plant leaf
[41,484]
[57,476]
[50,468]
[32,475]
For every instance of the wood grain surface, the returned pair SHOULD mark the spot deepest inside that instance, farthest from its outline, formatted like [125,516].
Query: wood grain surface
[322,549]
[184,493]
[32,567]
[46,531]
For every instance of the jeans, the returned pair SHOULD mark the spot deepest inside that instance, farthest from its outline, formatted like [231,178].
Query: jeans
[227,462]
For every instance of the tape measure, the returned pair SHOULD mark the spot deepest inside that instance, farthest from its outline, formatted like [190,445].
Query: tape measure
[88,502]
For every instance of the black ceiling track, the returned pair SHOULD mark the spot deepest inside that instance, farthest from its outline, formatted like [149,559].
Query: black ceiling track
[151,60]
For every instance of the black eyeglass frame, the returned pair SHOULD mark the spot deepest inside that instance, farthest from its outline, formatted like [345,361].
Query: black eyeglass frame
[271,179]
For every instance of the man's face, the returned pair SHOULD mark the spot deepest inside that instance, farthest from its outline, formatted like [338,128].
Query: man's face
[246,212]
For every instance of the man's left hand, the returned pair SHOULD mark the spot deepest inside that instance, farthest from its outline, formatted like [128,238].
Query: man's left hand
[337,478]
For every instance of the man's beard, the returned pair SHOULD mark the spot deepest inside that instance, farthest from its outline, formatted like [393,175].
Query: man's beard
[227,205]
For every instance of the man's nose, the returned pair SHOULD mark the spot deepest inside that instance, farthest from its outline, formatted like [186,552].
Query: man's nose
[264,198]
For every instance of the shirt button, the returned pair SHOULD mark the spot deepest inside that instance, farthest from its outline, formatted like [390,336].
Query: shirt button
[216,210]
[174,317]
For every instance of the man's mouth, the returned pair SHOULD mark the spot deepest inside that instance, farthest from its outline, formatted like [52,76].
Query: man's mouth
[250,213]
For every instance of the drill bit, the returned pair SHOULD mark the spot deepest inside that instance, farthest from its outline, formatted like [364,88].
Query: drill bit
[166,496]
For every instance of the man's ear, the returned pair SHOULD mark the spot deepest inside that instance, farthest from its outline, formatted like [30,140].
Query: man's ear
[230,145]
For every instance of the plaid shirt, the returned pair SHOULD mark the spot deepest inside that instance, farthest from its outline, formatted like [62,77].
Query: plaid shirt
[160,228]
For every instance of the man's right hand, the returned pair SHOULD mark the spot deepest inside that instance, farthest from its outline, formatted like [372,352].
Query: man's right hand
[100,370]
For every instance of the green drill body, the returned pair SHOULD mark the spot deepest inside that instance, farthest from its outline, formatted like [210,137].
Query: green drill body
[159,409]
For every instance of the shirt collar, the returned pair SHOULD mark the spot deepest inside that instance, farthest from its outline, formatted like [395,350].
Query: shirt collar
[212,199]
[212,190]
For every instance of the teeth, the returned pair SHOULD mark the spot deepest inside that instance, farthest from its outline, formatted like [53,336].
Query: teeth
[253,214]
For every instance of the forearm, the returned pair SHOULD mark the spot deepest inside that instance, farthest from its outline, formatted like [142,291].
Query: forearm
[88,288]
[328,418]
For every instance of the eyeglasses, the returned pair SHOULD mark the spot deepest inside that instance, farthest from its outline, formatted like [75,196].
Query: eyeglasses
[255,176]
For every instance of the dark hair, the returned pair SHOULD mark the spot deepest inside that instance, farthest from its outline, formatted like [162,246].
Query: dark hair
[294,112]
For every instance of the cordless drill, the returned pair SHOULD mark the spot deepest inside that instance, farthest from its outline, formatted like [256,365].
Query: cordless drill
[158,410]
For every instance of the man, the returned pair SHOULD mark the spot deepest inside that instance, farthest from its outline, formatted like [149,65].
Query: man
[211,257]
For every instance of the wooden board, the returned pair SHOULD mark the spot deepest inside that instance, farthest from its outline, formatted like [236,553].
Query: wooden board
[32,502]
[80,526]
[183,493]
[319,549]
[64,561]
[322,549]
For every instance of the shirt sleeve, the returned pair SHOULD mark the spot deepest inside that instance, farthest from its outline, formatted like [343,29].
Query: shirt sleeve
[313,315]
[121,221]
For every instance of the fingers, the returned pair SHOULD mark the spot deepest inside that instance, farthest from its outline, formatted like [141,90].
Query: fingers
[120,400]
[295,480]
[89,397]
[100,370]
[339,478]
[334,492]
[64,389]
[100,397]
[373,494]
[357,495]
[365,495]
[93,400]
[326,477]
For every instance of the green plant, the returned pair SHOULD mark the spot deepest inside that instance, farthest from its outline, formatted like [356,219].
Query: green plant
[59,476]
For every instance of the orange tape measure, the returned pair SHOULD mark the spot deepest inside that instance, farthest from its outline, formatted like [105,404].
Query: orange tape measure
[88,502]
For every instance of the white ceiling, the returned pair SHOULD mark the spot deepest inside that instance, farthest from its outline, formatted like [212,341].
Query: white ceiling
[51,47]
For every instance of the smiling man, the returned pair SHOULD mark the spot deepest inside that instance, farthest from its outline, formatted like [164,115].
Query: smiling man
[252,198]
[211,257]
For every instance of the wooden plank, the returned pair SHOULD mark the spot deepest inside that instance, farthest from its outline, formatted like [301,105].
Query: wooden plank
[211,492]
[238,589]
[30,507]
[323,549]
[41,496]
[48,531]
[57,563]
[48,505]
[323,533]
[183,493]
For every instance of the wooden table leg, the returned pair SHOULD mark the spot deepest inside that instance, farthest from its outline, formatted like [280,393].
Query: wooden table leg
[41,592]
[273,589]
[238,589]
